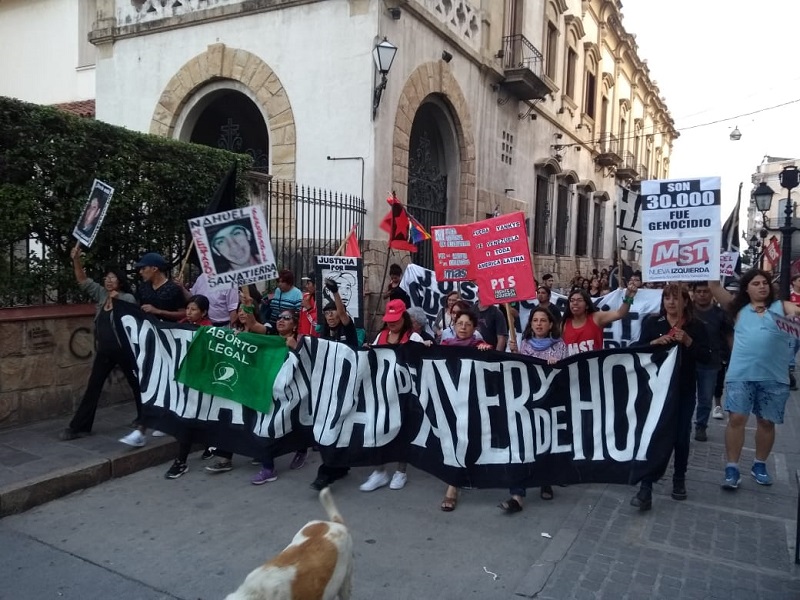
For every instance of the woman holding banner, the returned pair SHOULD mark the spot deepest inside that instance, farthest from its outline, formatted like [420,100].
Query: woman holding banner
[583,323]
[675,325]
[109,352]
[541,340]
[466,336]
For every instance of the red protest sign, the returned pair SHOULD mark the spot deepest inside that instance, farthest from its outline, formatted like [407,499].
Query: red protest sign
[501,259]
[773,251]
[452,252]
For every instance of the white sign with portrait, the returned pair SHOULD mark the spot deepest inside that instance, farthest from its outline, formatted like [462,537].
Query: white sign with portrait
[234,247]
[93,213]
[346,272]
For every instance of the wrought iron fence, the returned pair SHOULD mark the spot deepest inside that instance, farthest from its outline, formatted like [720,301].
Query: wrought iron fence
[306,221]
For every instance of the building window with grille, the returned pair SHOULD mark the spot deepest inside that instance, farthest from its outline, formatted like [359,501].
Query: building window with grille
[582,231]
[598,217]
[542,219]
[562,219]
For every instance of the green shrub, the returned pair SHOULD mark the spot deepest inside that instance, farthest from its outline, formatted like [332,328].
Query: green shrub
[48,160]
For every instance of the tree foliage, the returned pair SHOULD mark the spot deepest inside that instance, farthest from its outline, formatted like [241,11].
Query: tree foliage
[48,160]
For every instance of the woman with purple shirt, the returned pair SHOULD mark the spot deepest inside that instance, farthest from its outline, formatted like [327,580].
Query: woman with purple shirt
[541,339]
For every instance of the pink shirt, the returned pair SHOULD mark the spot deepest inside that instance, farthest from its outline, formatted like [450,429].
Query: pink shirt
[220,301]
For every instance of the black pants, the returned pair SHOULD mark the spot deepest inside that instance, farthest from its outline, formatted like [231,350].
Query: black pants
[683,436]
[105,360]
[332,473]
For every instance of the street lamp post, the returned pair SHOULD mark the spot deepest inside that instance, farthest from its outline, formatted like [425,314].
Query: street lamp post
[762,196]
[789,179]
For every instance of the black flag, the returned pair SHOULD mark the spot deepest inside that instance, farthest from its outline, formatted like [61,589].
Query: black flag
[225,196]
[730,237]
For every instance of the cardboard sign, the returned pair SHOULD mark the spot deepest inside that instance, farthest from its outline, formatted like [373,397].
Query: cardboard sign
[501,259]
[789,326]
[681,229]
[234,247]
[93,213]
[452,249]
[347,272]
[629,220]
[727,263]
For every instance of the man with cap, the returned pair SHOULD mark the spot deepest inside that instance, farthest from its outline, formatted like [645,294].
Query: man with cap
[161,298]
[308,307]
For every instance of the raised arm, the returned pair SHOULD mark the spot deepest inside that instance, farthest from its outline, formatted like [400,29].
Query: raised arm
[604,318]
[721,295]
[333,288]
[75,255]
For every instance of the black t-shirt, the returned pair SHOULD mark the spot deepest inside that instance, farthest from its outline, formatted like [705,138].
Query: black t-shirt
[168,296]
[398,293]
[491,325]
[345,334]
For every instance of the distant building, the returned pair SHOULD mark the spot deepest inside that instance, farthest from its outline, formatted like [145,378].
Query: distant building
[489,106]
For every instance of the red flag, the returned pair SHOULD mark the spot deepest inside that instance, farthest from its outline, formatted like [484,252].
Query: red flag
[351,244]
[396,224]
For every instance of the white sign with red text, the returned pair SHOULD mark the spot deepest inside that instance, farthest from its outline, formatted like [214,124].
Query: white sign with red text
[727,263]
[681,229]
[789,326]
[234,247]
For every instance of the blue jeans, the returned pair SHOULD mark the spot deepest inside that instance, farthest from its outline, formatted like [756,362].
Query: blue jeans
[706,382]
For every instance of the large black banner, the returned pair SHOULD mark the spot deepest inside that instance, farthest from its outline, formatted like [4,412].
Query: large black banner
[471,418]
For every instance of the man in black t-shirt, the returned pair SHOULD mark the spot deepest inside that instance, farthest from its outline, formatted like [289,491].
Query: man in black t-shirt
[492,326]
[161,298]
[158,295]
[339,327]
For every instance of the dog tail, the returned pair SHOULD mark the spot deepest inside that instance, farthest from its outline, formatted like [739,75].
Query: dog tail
[326,499]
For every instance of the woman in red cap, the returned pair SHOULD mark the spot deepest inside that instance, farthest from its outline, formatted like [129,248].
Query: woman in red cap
[398,329]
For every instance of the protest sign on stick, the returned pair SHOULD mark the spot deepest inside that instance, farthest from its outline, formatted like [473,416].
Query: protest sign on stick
[681,229]
[93,213]
[452,257]
[346,272]
[727,263]
[234,247]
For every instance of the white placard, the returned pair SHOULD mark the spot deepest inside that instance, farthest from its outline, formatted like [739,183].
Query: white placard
[93,213]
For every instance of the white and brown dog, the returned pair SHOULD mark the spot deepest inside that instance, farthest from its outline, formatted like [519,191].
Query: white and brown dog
[317,565]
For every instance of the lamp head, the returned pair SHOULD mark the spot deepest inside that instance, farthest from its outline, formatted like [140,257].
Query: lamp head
[789,177]
[384,54]
[736,135]
[762,196]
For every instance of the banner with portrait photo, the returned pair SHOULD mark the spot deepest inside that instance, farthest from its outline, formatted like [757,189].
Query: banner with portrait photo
[347,272]
[234,247]
[93,213]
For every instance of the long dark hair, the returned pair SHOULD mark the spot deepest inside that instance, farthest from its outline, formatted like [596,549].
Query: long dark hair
[122,278]
[408,326]
[590,307]
[676,289]
[742,298]
[555,329]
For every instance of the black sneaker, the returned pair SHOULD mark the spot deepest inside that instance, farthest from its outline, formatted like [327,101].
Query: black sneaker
[221,466]
[207,454]
[679,490]
[643,500]
[700,434]
[176,470]
[70,434]
[320,483]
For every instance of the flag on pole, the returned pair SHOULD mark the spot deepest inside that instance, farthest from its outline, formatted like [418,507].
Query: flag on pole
[730,230]
[396,223]
[416,231]
[351,243]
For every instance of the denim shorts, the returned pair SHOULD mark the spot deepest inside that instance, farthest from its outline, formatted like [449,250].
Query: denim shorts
[765,399]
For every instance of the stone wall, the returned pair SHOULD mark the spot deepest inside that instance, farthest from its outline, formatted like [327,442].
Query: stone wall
[46,355]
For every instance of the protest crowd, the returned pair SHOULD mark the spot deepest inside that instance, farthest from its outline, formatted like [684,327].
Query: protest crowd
[718,345]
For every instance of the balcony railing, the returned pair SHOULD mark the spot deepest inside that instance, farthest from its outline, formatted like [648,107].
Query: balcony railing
[609,151]
[459,17]
[522,66]
[627,168]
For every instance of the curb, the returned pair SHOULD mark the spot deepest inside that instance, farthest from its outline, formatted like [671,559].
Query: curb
[22,496]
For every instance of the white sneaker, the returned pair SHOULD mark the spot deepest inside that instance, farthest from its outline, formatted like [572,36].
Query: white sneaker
[376,480]
[134,438]
[399,481]
[157,433]
[717,413]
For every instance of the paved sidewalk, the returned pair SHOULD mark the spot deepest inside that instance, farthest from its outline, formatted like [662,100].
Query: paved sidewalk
[36,467]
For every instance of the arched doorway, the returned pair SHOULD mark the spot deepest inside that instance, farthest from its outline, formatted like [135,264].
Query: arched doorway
[432,170]
[228,119]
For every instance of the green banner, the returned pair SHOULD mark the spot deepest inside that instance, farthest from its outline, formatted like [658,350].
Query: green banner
[238,366]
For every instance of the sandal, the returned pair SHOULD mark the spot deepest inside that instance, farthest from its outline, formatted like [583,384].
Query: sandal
[511,506]
[546,492]
[449,504]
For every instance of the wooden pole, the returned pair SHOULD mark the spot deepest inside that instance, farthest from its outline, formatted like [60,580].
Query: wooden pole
[512,332]
[186,258]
